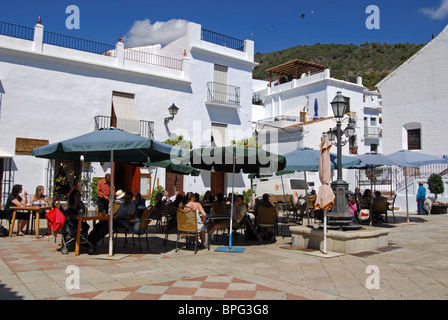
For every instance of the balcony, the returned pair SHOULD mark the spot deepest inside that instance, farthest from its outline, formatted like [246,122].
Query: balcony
[372,132]
[105,122]
[222,40]
[223,94]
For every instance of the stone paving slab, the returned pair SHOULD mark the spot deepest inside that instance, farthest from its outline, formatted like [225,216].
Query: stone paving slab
[413,266]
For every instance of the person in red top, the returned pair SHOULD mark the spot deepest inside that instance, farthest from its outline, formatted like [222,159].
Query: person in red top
[104,194]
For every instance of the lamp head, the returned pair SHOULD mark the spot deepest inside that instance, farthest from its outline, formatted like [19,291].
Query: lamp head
[173,110]
[339,105]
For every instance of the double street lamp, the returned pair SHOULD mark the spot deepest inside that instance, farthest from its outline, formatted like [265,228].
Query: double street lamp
[340,213]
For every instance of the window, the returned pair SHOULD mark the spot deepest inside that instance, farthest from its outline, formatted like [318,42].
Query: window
[303,117]
[219,136]
[347,109]
[373,121]
[374,147]
[124,115]
[414,139]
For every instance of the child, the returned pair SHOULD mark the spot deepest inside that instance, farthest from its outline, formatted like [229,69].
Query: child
[352,207]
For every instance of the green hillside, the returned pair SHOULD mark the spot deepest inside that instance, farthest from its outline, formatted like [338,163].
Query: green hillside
[373,61]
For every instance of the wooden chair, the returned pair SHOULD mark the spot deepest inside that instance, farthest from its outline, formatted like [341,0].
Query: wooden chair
[292,210]
[143,228]
[302,212]
[187,226]
[240,223]
[379,207]
[170,223]
[266,217]
[392,207]
[220,208]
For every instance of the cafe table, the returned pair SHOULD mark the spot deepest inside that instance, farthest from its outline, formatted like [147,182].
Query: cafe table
[30,210]
[85,217]
[210,218]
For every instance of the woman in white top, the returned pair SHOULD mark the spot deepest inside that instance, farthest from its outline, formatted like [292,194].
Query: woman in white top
[191,204]
[39,198]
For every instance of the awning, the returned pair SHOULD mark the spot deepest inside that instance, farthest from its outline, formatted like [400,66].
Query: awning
[124,108]
[4,154]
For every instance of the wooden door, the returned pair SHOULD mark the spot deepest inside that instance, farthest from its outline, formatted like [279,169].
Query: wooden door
[127,177]
[174,182]
[217,183]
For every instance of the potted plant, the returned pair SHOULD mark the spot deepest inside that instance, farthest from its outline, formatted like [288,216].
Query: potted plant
[436,186]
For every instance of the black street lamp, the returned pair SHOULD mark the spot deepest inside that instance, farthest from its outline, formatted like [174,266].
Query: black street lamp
[339,216]
[173,112]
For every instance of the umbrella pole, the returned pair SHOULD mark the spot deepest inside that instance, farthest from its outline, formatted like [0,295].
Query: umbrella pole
[154,183]
[306,199]
[230,249]
[325,232]
[406,183]
[232,204]
[111,205]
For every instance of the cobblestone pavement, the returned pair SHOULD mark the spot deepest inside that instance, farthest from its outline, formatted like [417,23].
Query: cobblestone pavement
[413,266]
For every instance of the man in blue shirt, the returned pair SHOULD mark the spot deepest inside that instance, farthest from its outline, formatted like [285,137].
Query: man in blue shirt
[421,196]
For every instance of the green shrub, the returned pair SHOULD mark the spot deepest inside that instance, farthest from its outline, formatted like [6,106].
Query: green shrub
[435,184]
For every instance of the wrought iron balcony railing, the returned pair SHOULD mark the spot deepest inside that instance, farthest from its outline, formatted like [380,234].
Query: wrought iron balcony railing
[154,59]
[15,31]
[223,93]
[223,40]
[146,127]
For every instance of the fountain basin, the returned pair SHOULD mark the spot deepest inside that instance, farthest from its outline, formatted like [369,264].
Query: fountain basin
[365,239]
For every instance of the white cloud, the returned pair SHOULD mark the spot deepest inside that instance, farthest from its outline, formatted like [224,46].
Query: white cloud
[144,33]
[437,13]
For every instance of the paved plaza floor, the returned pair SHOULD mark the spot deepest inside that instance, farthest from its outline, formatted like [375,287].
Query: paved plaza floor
[413,267]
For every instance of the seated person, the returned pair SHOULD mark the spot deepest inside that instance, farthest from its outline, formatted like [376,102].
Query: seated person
[379,206]
[125,212]
[352,207]
[122,218]
[266,231]
[14,199]
[239,211]
[219,206]
[76,207]
[364,201]
[140,203]
[157,214]
[39,197]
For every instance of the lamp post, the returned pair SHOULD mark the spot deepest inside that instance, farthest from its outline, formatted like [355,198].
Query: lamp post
[339,216]
[173,112]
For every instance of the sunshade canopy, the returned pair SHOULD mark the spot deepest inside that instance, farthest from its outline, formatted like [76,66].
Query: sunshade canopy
[369,160]
[249,160]
[96,147]
[416,158]
[307,159]
[176,167]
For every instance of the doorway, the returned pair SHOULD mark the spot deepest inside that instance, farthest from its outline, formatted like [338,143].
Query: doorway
[217,183]
[174,182]
[127,177]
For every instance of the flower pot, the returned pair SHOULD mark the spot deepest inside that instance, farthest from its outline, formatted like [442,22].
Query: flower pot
[438,209]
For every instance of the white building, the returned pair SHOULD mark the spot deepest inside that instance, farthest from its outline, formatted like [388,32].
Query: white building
[299,104]
[53,88]
[415,113]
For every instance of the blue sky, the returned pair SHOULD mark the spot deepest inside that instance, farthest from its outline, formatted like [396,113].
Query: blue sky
[272,25]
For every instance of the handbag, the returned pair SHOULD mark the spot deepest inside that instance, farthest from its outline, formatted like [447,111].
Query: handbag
[364,214]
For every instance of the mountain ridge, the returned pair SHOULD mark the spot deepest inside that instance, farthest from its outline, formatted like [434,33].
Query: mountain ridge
[373,61]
